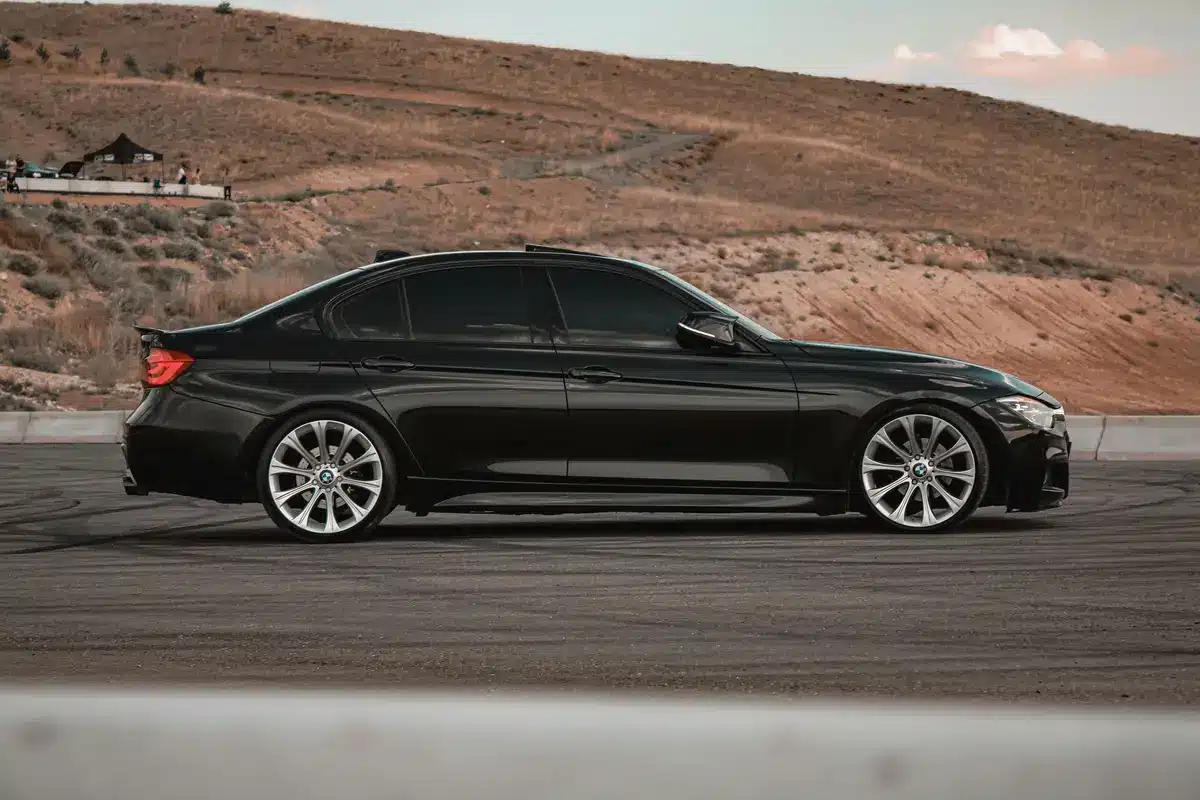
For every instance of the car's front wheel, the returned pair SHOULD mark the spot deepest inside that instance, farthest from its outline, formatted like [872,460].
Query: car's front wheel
[327,476]
[922,469]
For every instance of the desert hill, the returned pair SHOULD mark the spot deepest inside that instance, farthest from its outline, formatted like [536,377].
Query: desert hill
[852,210]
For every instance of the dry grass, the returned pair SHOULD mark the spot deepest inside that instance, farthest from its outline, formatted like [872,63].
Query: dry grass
[232,298]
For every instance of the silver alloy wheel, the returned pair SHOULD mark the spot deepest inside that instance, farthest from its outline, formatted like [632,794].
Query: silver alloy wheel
[918,470]
[325,476]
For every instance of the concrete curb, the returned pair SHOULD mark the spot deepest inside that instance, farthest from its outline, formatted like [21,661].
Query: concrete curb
[1094,438]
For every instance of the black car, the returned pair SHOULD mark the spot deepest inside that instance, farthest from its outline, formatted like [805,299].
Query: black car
[568,381]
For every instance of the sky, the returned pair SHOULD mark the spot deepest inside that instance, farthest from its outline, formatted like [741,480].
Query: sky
[1125,62]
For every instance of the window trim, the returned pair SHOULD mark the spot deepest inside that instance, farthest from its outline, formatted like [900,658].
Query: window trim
[336,334]
[754,347]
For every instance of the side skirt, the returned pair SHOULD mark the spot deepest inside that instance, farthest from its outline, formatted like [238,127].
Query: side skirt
[423,495]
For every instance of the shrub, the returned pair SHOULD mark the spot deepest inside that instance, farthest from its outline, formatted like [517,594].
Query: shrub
[112,245]
[141,225]
[224,7]
[133,301]
[216,272]
[131,65]
[64,220]
[837,247]
[17,37]
[105,274]
[164,277]
[25,264]
[104,57]
[108,226]
[47,286]
[34,358]
[5,51]
[147,252]
[58,203]
[43,53]
[198,74]
[202,231]
[182,250]
[169,70]
[219,209]
[161,218]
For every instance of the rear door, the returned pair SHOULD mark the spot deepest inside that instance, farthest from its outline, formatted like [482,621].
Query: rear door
[450,354]
[645,409]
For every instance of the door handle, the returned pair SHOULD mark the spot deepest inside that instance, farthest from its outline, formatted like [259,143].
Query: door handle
[593,374]
[387,364]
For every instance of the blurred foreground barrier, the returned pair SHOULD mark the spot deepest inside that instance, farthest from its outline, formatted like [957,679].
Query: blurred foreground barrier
[301,745]
[1103,438]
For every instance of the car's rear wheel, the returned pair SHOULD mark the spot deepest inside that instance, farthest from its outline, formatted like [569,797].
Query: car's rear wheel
[327,476]
[922,469]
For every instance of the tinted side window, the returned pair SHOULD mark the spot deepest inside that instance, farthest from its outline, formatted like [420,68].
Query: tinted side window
[377,313]
[607,308]
[468,304]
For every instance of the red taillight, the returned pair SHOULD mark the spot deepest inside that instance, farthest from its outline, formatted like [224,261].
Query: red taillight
[163,366]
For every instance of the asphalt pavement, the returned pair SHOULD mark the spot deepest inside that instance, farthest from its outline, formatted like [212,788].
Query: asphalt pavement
[1096,601]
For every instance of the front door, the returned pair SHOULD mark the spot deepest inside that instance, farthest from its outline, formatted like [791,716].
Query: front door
[450,355]
[644,409]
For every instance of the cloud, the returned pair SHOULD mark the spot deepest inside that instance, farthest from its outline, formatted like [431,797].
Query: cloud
[1029,54]
[905,53]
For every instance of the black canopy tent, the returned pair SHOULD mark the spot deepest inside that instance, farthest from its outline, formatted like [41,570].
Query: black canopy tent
[124,151]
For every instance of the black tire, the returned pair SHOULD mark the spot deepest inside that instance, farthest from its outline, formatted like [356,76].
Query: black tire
[980,461]
[384,504]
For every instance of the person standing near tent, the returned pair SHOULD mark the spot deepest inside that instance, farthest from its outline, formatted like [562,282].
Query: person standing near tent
[183,174]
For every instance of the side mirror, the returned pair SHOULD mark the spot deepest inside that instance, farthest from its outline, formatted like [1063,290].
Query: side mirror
[707,330]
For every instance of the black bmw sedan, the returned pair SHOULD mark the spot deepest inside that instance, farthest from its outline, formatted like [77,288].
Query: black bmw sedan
[570,381]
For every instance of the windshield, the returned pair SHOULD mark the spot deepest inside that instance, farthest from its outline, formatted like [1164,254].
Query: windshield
[754,327]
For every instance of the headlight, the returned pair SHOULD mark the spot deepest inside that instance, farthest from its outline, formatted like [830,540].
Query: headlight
[1035,412]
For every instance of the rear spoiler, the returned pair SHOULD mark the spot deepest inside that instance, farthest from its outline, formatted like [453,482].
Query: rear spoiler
[148,337]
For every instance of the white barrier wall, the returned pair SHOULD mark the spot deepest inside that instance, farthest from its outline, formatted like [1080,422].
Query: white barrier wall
[296,746]
[73,186]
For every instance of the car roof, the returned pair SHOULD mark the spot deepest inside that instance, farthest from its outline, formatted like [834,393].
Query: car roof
[538,251]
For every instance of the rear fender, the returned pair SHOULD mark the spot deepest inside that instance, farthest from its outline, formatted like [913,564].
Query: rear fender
[406,463]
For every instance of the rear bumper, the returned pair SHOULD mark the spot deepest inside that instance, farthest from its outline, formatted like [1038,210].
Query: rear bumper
[175,444]
[129,482]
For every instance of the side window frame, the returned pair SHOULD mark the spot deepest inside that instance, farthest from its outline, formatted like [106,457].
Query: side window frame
[335,325]
[338,332]
[558,326]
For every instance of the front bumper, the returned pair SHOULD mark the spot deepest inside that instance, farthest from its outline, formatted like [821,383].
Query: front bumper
[1036,467]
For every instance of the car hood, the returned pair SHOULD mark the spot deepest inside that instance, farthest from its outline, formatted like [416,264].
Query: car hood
[937,367]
